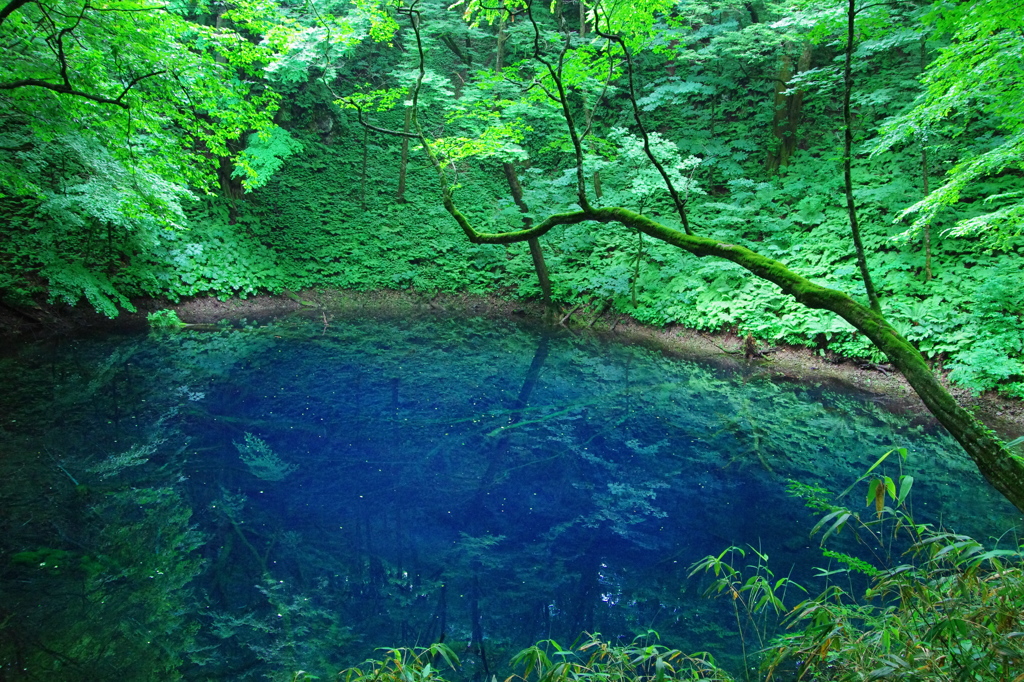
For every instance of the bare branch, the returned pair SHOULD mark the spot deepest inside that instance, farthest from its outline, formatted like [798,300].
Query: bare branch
[876,4]
[66,88]
[121,10]
[63,89]
[680,202]
[556,77]
[138,79]
[604,90]
[378,129]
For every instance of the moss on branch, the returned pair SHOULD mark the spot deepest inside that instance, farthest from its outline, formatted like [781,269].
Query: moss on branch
[997,464]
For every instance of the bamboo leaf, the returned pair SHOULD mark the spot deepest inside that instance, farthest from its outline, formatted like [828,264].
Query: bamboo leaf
[890,487]
[906,483]
[826,519]
[837,526]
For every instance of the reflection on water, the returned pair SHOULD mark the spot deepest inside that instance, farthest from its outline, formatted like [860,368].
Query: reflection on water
[245,503]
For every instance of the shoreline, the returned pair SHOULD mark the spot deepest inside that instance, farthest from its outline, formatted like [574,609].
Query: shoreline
[725,349]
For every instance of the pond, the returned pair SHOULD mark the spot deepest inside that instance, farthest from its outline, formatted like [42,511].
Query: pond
[267,497]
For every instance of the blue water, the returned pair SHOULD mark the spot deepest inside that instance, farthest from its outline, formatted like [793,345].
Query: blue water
[248,502]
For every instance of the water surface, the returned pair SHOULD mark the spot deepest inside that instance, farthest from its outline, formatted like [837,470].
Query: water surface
[252,501]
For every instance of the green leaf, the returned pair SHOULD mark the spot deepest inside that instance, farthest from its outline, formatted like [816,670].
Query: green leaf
[906,483]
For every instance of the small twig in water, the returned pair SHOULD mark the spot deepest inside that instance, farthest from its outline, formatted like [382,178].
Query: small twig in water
[68,474]
[726,350]
[569,314]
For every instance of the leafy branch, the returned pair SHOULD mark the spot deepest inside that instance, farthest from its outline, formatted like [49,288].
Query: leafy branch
[66,88]
[678,201]
[56,43]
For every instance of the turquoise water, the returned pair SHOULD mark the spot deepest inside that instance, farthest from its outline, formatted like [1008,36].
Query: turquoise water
[249,502]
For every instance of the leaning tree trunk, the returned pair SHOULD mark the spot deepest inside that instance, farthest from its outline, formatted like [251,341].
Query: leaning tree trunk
[997,464]
[536,252]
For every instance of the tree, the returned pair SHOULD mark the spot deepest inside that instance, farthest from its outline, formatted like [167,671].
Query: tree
[560,66]
[977,74]
[516,189]
[111,114]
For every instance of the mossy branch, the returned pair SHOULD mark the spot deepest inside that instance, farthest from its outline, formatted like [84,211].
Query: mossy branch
[995,461]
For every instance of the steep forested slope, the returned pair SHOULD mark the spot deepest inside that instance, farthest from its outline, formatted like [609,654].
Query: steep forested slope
[744,100]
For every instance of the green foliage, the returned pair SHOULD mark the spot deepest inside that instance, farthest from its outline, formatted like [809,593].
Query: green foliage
[992,357]
[547,661]
[164,319]
[852,563]
[90,195]
[950,609]
[814,496]
[313,203]
[115,75]
[595,659]
[635,183]
[264,155]
[113,117]
[756,595]
[46,558]
[131,570]
[974,74]
[403,665]
[263,463]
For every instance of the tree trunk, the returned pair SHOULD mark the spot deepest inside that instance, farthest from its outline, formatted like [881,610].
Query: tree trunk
[539,265]
[230,186]
[851,207]
[927,231]
[362,172]
[464,56]
[536,252]
[499,49]
[786,120]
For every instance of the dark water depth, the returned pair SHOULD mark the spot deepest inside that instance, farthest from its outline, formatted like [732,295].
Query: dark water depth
[246,503]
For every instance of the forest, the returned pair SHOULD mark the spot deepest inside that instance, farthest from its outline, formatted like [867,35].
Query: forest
[841,175]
